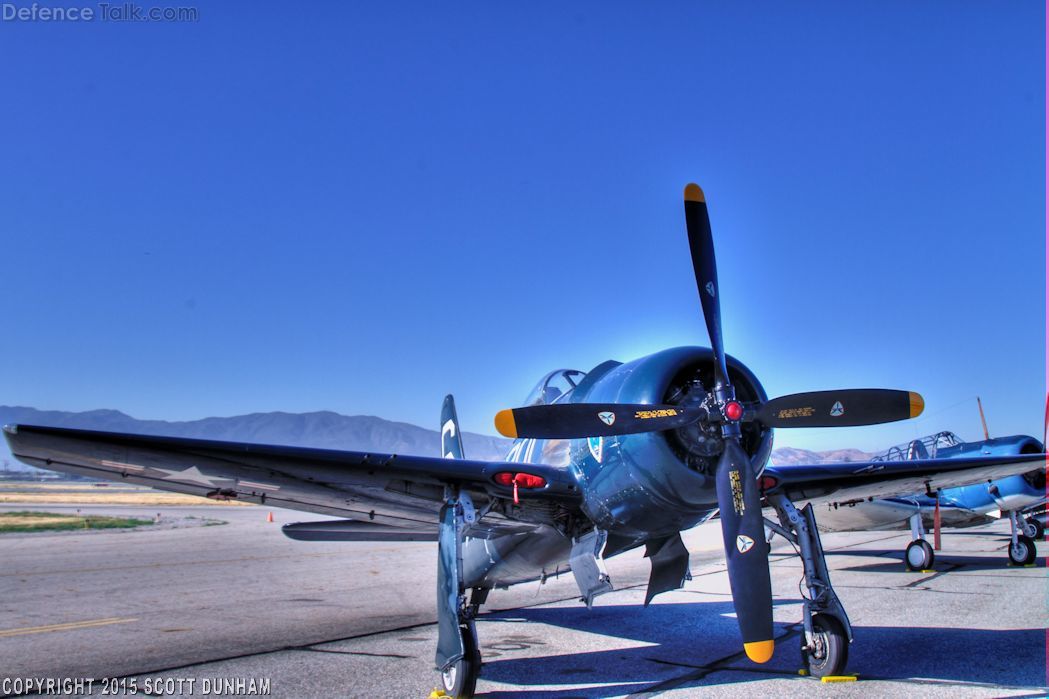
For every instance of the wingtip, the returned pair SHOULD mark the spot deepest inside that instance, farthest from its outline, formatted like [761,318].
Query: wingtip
[11,429]
[759,651]
[917,403]
[694,193]
[505,425]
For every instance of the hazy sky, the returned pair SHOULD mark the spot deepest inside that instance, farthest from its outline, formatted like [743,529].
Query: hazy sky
[359,208]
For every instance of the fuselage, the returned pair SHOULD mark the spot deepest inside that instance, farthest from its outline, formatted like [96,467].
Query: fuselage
[966,506]
[643,486]
[635,487]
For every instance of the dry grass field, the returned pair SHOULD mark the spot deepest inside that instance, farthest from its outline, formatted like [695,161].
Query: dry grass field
[21,522]
[84,493]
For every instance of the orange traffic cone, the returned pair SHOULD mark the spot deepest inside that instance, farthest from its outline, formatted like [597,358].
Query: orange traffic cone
[269,517]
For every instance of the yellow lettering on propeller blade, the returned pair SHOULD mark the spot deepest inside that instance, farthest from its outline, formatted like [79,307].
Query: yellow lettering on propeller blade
[789,413]
[649,414]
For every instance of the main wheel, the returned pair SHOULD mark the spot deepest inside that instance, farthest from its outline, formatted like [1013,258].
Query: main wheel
[831,651]
[919,555]
[460,680]
[1023,552]
[1033,529]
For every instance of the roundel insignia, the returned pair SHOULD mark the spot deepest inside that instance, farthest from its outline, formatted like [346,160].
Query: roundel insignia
[837,409]
[710,289]
[607,417]
[744,543]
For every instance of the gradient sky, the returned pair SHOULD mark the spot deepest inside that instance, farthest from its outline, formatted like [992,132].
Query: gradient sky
[361,208]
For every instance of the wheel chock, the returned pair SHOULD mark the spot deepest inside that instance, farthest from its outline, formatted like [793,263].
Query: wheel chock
[803,672]
[437,694]
[930,570]
[838,678]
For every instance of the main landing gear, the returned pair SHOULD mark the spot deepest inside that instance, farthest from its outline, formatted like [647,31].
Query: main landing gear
[1022,550]
[458,656]
[825,643]
[919,554]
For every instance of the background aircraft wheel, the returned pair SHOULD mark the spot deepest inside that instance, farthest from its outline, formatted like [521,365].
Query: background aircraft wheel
[1023,552]
[919,555]
[460,680]
[832,647]
[1033,529]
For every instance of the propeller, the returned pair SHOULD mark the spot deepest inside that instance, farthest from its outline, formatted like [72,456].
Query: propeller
[742,526]
[577,420]
[841,408]
[739,499]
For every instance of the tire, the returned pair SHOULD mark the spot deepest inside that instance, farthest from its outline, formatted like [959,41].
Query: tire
[919,555]
[460,680]
[831,653]
[1023,552]
[1033,529]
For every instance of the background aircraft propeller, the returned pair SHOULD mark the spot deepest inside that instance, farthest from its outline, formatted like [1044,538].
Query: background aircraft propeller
[739,499]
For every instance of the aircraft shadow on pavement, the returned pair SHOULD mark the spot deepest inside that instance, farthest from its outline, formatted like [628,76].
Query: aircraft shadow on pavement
[891,561]
[695,645]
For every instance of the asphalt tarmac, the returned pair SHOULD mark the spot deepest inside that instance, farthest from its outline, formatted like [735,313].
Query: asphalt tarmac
[218,603]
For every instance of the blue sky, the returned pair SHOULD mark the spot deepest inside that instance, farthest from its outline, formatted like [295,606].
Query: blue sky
[361,208]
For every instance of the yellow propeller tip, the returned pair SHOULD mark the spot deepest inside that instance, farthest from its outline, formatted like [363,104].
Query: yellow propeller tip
[505,425]
[917,404]
[759,651]
[694,193]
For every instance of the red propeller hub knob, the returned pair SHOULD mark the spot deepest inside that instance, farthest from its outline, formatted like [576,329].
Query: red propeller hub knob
[733,410]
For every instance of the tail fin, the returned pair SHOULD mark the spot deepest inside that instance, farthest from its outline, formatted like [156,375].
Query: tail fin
[451,439]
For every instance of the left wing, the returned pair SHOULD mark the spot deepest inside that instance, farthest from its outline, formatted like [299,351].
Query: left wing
[381,489]
[861,480]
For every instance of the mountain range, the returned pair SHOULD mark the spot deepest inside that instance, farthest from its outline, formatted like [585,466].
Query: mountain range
[323,429]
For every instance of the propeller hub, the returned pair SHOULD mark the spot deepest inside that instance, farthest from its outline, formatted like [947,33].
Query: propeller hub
[734,410]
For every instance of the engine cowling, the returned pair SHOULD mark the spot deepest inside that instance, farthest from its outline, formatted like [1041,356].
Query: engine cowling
[675,469]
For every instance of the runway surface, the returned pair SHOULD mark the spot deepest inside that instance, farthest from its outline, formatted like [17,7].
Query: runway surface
[240,601]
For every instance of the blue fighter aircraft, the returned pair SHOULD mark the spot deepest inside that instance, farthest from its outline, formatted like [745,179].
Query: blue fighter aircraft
[625,455]
[965,506]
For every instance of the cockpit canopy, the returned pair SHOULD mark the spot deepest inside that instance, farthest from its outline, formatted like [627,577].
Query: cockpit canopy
[554,386]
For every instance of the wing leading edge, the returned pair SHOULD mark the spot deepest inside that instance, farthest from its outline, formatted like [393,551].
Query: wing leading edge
[861,480]
[388,489]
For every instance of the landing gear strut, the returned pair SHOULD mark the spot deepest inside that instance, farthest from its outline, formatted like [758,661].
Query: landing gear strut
[825,643]
[919,554]
[458,656]
[1022,550]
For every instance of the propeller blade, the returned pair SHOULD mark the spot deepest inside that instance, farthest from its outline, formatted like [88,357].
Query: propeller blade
[746,552]
[701,243]
[844,408]
[578,420]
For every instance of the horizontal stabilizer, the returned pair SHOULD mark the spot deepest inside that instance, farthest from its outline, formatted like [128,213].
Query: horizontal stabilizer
[351,530]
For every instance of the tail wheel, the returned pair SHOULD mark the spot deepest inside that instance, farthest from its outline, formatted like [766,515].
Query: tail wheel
[460,680]
[919,555]
[1023,552]
[830,651]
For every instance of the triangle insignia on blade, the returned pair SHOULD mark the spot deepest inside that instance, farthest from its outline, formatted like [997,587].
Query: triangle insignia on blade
[837,410]
[744,543]
[607,417]
[710,289]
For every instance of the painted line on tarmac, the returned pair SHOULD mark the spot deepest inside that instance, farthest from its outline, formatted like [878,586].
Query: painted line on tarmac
[7,633]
